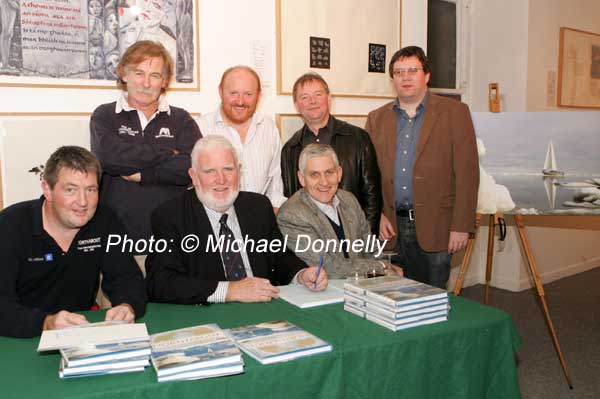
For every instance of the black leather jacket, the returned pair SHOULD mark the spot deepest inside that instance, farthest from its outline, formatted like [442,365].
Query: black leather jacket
[358,160]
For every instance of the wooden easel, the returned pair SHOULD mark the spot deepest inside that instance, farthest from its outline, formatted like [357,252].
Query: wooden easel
[493,221]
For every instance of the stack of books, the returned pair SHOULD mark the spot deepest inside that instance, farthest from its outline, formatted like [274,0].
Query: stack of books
[194,352]
[98,359]
[107,347]
[277,341]
[395,302]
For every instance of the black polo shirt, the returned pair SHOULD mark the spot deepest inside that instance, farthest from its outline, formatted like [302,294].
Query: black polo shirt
[324,136]
[38,278]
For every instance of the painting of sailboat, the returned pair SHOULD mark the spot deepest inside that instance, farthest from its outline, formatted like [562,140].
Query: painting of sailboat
[519,144]
[550,187]
[550,168]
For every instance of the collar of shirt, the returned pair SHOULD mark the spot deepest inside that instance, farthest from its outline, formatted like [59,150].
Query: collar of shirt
[326,132]
[234,226]
[214,217]
[233,136]
[331,211]
[123,105]
[256,119]
[37,223]
[420,107]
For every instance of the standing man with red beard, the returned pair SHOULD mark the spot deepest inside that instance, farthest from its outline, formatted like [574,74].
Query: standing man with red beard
[191,270]
[254,136]
[142,142]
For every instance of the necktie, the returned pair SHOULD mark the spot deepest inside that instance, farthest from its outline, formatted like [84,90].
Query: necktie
[234,266]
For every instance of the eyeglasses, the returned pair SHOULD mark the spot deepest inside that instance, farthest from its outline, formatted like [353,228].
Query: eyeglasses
[409,71]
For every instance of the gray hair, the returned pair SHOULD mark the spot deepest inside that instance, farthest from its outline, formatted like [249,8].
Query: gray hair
[209,143]
[315,151]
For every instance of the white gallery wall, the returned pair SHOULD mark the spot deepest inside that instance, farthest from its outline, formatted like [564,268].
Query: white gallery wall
[507,39]
[229,30]
[546,17]
[515,43]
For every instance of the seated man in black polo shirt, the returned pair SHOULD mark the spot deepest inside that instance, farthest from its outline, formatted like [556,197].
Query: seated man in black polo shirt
[53,250]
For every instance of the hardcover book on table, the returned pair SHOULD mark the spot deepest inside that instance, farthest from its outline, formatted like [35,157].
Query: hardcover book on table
[277,341]
[395,291]
[364,301]
[357,310]
[93,333]
[403,315]
[112,367]
[302,297]
[191,349]
[219,371]
[395,327]
[100,353]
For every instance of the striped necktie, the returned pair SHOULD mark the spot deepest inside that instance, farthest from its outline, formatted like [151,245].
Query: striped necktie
[234,265]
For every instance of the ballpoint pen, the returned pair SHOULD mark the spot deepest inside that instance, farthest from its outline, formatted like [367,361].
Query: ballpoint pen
[319,266]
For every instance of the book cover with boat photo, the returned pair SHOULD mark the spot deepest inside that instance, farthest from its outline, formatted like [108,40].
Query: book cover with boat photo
[192,348]
[98,353]
[397,291]
[277,341]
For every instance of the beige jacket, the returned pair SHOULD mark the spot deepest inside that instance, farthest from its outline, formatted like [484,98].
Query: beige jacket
[299,215]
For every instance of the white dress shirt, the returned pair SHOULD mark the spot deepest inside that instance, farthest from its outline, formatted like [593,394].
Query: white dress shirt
[219,295]
[232,222]
[260,154]
[329,210]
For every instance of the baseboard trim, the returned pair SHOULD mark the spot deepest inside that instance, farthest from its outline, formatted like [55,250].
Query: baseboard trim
[526,281]
[470,279]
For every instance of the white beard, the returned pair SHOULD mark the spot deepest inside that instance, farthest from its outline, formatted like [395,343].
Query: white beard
[217,205]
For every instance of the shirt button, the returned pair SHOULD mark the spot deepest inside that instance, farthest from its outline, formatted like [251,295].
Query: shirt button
[404,188]
[407,135]
[410,120]
[405,152]
[404,169]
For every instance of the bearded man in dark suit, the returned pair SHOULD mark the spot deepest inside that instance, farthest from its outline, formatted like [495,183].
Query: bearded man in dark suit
[194,269]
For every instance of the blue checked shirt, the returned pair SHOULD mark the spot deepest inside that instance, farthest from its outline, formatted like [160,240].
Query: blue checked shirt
[407,136]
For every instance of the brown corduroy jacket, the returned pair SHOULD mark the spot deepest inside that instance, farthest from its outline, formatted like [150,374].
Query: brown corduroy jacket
[445,174]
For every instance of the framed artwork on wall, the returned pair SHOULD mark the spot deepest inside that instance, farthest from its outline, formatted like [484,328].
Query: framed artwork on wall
[342,45]
[79,43]
[578,69]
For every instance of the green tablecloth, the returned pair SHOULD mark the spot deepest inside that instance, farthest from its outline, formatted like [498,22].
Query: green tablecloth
[470,356]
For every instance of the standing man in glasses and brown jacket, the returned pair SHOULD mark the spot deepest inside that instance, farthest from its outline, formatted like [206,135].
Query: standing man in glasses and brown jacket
[427,154]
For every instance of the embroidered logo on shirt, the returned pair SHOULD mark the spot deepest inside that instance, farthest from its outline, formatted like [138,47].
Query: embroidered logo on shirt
[127,130]
[48,258]
[89,244]
[164,132]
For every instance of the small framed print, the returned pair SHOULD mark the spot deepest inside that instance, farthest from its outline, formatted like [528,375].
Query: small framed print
[578,69]
[320,52]
[377,58]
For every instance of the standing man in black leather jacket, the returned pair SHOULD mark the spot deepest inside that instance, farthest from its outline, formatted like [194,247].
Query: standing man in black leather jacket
[352,145]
